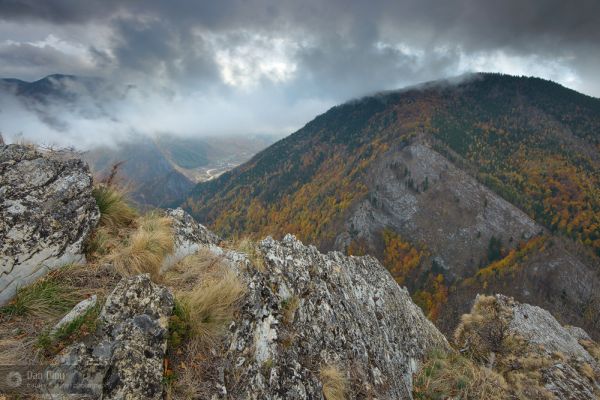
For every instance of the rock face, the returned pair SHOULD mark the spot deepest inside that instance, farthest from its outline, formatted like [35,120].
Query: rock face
[566,379]
[124,359]
[305,310]
[46,213]
[189,236]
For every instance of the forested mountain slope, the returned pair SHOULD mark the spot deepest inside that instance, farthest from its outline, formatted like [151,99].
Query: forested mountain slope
[485,183]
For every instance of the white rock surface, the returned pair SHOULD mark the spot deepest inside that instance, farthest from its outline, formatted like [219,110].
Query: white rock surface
[46,213]
[78,311]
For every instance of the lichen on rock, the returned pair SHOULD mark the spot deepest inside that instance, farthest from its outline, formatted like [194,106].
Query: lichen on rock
[46,213]
[305,310]
[124,359]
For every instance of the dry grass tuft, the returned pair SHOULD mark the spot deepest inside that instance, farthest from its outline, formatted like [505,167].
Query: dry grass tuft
[592,347]
[289,307]
[208,296]
[335,384]
[115,210]
[484,332]
[449,375]
[190,270]
[250,248]
[146,247]
[212,304]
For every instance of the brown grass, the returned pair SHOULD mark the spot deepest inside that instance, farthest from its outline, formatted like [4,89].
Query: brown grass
[146,248]
[188,272]
[484,331]
[250,248]
[335,384]
[289,307]
[212,304]
[208,296]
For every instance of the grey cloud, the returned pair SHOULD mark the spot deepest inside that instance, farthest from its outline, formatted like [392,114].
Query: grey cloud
[339,49]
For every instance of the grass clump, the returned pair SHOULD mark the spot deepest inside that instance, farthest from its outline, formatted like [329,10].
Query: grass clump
[115,210]
[146,248]
[484,333]
[208,295]
[211,305]
[335,384]
[48,297]
[449,375]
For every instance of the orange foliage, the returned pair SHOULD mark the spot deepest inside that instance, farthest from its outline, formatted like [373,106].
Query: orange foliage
[399,257]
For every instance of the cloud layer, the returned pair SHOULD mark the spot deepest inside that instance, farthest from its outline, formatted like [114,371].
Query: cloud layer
[233,66]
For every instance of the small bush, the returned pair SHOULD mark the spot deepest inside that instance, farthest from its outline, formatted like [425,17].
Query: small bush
[335,384]
[115,210]
[451,376]
[485,330]
[146,247]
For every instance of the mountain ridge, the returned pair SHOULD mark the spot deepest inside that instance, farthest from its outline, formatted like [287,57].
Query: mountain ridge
[508,133]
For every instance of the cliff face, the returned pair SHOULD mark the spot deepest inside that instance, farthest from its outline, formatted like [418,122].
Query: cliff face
[306,310]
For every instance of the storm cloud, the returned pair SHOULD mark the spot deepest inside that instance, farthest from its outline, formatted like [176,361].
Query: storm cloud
[257,66]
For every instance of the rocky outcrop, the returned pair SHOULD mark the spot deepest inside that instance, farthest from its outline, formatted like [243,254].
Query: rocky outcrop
[46,213]
[305,311]
[188,236]
[565,378]
[124,359]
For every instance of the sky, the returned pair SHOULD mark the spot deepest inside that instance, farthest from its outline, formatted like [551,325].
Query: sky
[195,67]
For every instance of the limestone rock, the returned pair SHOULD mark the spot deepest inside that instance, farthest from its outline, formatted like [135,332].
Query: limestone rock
[124,359]
[78,311]
[305,310]
[46,213]
[565,379]
[189,236]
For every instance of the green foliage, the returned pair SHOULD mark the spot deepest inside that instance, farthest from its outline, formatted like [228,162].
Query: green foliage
[494,249]
[179,326]
[115,210]
[51,343]
[47,297]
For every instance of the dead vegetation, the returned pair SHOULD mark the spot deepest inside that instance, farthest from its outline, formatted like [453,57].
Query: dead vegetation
[208,294]
[491,362]
[145,249]
[335,383]
[450,375]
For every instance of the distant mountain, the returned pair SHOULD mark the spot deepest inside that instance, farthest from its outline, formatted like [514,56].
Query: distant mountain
[161,171]
[487,183]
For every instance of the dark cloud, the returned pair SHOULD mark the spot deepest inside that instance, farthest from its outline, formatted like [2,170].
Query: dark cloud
[303,54]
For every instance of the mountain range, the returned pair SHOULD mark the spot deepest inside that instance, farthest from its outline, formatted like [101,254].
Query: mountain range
[158,170]
[485,183]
